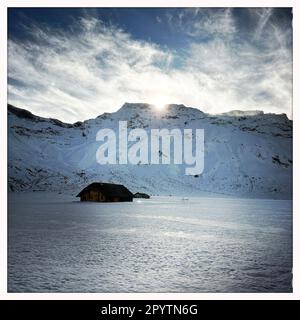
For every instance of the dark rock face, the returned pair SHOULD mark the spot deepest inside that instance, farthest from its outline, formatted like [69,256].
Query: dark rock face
[25,114]
[21,113]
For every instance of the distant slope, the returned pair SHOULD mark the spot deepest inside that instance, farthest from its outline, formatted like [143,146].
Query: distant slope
[247,154]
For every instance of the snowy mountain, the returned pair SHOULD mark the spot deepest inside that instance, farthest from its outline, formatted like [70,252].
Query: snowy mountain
[247,154]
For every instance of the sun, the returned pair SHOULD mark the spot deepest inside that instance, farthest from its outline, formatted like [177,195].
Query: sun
[160,107]
[159,104]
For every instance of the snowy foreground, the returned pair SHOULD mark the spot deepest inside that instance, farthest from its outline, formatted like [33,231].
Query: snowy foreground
[165,244]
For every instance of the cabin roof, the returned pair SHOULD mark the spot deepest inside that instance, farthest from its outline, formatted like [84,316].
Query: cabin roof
[108,189]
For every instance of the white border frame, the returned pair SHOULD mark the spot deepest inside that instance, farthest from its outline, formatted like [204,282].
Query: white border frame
[3,155]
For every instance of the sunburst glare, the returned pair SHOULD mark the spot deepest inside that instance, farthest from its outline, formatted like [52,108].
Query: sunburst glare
[159,104]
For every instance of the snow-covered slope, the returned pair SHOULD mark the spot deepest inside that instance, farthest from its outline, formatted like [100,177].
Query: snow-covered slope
[247,154]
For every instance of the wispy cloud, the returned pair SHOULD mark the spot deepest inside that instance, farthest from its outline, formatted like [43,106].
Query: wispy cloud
[263,18]
[78,75]
[205,22]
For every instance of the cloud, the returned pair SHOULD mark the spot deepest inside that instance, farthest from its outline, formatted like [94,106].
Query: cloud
[241,76]
[264,15]
[79,74]
[206,22]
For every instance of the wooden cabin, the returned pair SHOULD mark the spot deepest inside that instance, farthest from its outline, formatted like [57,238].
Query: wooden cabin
[105,192]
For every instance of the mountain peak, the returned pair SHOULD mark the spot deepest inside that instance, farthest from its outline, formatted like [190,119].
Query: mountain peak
[151,108]
[135,106]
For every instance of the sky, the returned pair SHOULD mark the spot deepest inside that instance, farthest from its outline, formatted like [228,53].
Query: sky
[77,63]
